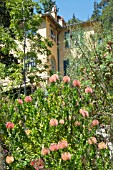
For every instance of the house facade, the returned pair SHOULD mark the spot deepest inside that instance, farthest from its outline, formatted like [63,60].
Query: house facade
[55,29]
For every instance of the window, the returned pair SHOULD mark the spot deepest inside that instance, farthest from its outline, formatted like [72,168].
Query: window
[66,63]
[67,39]
[52,34]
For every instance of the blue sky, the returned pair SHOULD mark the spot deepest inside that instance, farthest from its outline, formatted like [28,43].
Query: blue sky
[81,8]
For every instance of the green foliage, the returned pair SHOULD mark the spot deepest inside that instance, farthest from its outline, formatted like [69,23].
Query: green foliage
[32,131]
[47,5]
[73,20]
[4,14]
[21,41]
[107,11]
[103,12]
[91,62]
[96,12]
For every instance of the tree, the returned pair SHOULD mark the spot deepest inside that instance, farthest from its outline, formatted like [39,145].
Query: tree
[21,44]
[107,13]
[73,20]
[103,12]
[96,12]
[47,5]
[4,14]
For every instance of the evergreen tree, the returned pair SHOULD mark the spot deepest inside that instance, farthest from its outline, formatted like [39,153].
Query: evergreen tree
[47,5]
[103,12]
[96,12]
[106,7]
[73,20]
[103,3]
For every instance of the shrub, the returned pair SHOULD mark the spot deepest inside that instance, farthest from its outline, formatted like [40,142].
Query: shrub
[56,131]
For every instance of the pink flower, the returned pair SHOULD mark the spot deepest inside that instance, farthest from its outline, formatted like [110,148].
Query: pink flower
[88,90]
[53,78]
[76,83]
[32,163]
[45,151]
[61,121]
[20,101]
[56,76]
[53,147]
[66,156]
[84,113]
[92,140]
[28,99]
[102,145]
[53,122]
[37,164]
[66,79]
[62,144]
[77,123]
[95,123]
[9,125]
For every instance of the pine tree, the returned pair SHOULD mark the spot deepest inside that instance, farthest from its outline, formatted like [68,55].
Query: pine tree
[47,5]
[106,7]
[96,12]
[73,20]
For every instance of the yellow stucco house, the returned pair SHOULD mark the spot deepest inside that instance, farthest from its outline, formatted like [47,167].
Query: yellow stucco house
[55,29]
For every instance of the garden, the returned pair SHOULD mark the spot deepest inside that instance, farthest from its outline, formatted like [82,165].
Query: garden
[67,124]
[54,130]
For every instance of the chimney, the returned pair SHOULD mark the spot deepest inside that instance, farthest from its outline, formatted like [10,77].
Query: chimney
[61,21]
[54,12]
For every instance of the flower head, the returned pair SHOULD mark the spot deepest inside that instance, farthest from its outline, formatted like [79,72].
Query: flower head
[9,125]
[77,123]
[66,79]
[84,113]
[53,78]
[9,159]
[95,122]
[88,90]
[53,122]
[37,163]
[56,76]
[92,140]
[53,147]
[20,101]
[45,151]
[28,99]
[61,121]
[62,144]
[32,163]
[102,145]
[65,156]
[76,83]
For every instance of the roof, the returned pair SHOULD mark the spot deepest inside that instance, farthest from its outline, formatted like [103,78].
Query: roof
[54,21]
[85,23]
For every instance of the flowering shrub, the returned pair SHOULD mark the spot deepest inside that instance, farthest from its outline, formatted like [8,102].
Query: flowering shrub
[56,131]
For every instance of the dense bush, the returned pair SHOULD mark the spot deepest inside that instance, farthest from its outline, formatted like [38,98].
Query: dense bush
[91,61]
[55,130]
